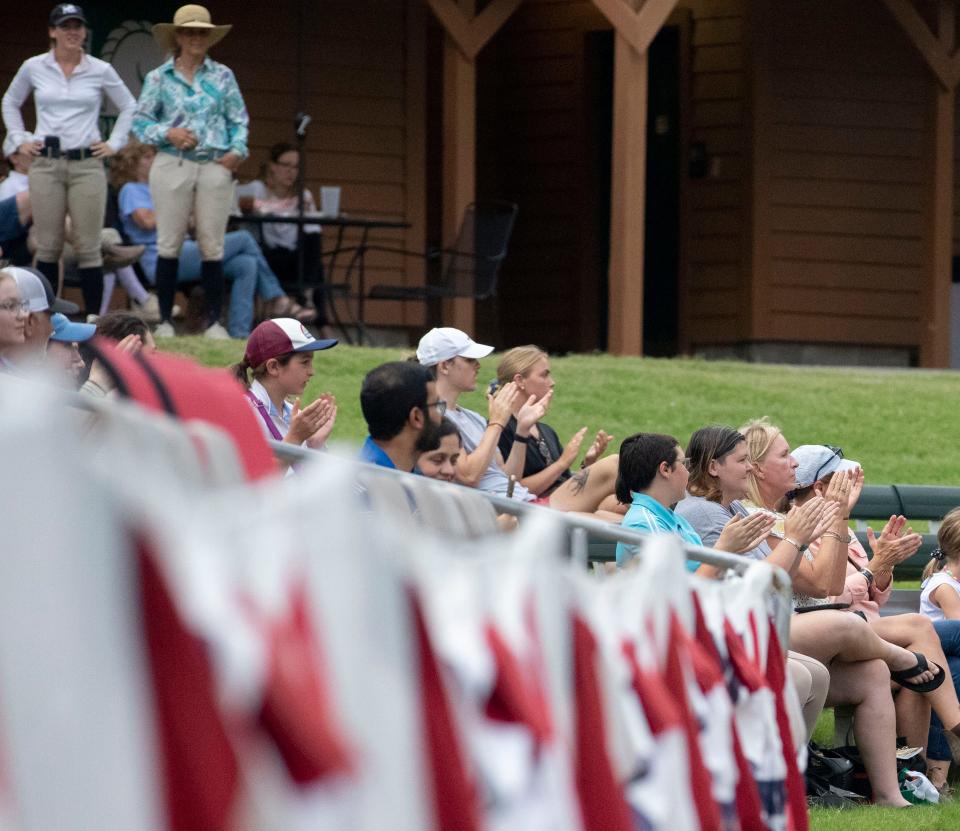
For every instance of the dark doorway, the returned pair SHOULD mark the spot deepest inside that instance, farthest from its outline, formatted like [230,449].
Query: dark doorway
[662,211]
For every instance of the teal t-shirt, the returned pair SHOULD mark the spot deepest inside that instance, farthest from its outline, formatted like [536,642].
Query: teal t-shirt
[650,517]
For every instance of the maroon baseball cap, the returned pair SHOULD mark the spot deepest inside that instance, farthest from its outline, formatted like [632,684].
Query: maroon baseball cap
[277,337]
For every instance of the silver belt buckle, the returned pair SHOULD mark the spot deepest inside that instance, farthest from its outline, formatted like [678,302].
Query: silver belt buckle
[202,155]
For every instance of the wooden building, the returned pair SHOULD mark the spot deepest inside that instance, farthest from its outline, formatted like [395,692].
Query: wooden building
[763,178]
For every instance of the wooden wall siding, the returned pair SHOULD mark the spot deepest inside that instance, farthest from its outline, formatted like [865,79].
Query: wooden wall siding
[717,229]
[356,83]
[844,208]
[532,149]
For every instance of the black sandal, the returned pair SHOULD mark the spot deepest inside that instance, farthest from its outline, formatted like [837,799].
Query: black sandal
[903,676]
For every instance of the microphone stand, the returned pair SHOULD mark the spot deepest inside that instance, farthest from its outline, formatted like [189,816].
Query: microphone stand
[301,122]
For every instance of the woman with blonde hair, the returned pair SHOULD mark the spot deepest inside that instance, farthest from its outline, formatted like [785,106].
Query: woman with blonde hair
[844,641]
[547,462]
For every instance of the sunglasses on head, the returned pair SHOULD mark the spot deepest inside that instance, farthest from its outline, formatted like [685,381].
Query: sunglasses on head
[836,453]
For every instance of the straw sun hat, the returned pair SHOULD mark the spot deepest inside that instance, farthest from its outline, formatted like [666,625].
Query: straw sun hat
[188,17]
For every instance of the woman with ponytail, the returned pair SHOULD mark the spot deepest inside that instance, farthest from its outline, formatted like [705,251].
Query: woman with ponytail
[276,365]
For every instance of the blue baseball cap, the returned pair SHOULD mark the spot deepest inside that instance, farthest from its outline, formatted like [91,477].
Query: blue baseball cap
[66,331]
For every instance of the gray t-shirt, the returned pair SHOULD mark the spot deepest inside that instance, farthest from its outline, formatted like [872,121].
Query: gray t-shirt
[708,519]
[494,480]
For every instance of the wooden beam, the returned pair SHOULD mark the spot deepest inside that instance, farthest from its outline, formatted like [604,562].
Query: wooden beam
[471,33]
[938,237]
[930,47]
[415,152]
[454,22]
[628,185]
[650,19]
[636,26]
[622,15]
[756,291]
[459,155]
[939,51]
[489,22]
[466,34]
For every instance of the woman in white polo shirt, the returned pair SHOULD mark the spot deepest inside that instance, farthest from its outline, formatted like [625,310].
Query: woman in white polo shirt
[67,176]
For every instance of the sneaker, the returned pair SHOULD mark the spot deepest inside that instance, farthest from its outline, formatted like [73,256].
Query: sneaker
[165,330]
[216,332]
[149,309]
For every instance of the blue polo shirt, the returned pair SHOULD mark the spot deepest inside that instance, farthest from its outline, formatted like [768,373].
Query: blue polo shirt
[650,517]
[372,452]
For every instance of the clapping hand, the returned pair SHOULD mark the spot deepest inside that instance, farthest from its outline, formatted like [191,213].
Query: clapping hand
[838,491]
[742,534]
[500,404]
[572,449]
[596,450]
[531,412]
[895,544]
[314,423]
[805,523]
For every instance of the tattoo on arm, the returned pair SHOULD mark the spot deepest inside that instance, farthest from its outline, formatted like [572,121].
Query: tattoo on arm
[579,480]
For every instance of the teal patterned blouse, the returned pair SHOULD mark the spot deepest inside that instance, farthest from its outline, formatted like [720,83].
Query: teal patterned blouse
[212,108]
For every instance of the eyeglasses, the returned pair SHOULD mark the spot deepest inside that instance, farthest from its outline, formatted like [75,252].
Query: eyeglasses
[15,306]
[440,404]
[837,453]
[686,461]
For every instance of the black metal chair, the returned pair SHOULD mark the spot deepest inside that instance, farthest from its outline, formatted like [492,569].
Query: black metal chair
[471,267]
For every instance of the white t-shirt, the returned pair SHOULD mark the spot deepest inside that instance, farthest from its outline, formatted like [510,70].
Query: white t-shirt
[494,480]
[14,183]
[927,606]
[278,234]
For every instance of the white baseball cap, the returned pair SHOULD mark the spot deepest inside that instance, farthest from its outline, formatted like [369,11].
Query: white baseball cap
[446,343]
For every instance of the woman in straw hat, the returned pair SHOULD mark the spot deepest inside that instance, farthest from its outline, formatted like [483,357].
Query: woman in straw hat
[66,175]
[191,110]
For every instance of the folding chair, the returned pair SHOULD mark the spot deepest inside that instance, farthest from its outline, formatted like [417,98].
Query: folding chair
[471,267]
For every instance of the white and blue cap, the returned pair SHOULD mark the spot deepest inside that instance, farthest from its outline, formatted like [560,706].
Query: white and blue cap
[814,461]
[66,331]
[36,290]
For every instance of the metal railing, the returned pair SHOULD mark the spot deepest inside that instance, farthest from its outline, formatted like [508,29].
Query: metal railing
[581,531]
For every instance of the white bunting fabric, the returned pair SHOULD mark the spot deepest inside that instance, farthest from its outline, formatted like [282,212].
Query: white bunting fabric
[182,650]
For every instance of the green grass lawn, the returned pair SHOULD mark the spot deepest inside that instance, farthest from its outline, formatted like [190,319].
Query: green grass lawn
[919,818]
[899,424]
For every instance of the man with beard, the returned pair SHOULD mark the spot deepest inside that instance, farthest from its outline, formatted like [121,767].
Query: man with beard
[403,414]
